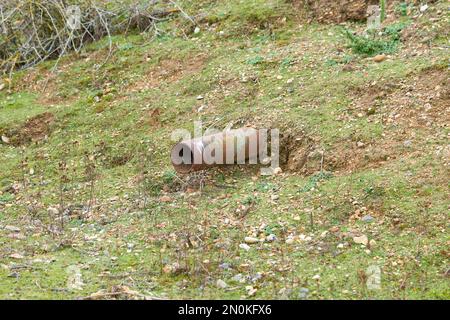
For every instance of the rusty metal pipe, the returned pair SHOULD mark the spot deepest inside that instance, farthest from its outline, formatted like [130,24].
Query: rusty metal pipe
[224,148]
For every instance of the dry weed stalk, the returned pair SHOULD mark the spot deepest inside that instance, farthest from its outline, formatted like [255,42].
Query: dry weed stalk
[32,31]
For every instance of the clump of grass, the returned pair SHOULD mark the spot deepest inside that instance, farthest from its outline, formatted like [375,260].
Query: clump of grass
[402,9]
[369,46]
[373,43]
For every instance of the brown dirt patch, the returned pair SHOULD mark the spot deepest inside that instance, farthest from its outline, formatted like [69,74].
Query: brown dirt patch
[296,151]
[45,83]
[337,11]
[35,129]
[151,118]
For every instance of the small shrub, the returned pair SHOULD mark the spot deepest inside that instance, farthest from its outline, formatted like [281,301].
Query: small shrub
[369,46]
[393,31]
[168,177]
[373,44]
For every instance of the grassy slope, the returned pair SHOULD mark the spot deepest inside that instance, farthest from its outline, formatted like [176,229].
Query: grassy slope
[106,112]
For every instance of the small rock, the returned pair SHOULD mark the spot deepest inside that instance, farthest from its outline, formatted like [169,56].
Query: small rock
[285,293]
[5,139]
[2,86]
[237,278]
[256,277]
[290,81]
[361,240]
[360,144]
[367,218]
[171,268]
[16,256]
[274,197]
[167,268]
[423,8]
[52,211]
[372,243]
[334,229]
[277,171]
[379,58]
[244,246]
[221,284]
[316,277]
[196,30]
[251,240]
[371,111]
[200,97]
[12,228]
[75,279]
[244,266]
[165,199]
[407,143]
[271,238]
[340,246]
[250,290]
[17,236]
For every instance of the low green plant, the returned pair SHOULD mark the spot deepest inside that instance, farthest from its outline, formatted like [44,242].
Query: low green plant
[255,60]
[169,177]
[393,31]
[376,43]
[369,46]
[315,179]
[402,9]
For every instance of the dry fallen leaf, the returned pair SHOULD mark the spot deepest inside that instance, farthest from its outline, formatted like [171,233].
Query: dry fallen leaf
[361,240]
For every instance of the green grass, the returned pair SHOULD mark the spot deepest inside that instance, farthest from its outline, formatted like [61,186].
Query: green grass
[259,71]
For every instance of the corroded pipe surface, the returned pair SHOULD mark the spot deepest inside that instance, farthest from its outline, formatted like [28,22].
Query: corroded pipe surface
[224,148]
